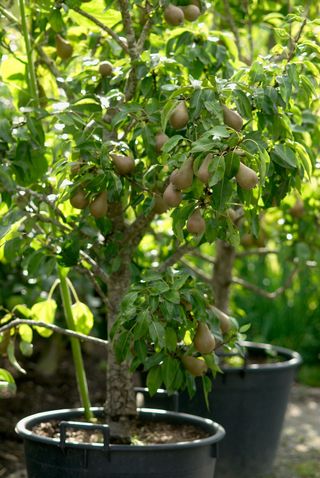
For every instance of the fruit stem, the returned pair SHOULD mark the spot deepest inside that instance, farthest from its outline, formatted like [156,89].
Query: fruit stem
[31,74]
[75,344]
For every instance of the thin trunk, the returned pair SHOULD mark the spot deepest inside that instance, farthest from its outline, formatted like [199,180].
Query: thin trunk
[222,274]
[120,400]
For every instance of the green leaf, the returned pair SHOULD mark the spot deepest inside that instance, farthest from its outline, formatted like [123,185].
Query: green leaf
[83,317]
[172,143]
[172,296]
[5,130]
[7,384]
[171,339]
[157,333]
[44,312]
[304,157]
[25,332]
[216,169]
[169,368]
[13,360]
[154,379]
[284,156]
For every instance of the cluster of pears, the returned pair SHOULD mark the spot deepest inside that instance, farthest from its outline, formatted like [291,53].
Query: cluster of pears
[245,177]
[175,16]
[98,206]
[205,343]
[63,47]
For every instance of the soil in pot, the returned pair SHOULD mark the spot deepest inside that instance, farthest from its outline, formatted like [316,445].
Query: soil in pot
[140,433]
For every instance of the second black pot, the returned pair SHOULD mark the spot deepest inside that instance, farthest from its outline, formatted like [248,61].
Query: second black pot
[250,403]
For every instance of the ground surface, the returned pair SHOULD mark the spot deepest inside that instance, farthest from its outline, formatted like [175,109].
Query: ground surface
[298,456]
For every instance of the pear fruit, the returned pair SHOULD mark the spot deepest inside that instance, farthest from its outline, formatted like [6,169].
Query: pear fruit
[246,177]
[171,196]
[123,164]
[79,199]
[204,341]
[196,224]
[182,178]
[63,47]
[105,68]
[203,172]
[232,118]
[173,15]
[297,210]
[191,12]
[179,116]
[197,367]
[161,139]
[160,206]
[99,206]
[224,320]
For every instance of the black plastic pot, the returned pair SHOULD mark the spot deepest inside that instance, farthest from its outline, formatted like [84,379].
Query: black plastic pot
[250,403]
[57,458]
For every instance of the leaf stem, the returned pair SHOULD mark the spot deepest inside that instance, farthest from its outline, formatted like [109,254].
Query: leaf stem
[30,66]
[75,344]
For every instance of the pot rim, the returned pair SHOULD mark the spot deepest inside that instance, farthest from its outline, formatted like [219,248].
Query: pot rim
[23,429]
[292,358]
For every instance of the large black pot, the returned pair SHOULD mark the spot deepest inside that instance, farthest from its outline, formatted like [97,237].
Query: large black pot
[250,403]
[56,458]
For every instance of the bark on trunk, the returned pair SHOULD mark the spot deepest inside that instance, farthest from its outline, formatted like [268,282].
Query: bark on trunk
[222,274]
[120,401]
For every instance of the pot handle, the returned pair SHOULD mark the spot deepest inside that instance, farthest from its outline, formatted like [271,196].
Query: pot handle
[103,429]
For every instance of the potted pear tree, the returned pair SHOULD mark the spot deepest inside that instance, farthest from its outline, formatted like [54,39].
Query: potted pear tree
[124,116]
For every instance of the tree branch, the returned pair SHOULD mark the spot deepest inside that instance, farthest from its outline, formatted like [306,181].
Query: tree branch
[263,293]
[233,27]
[261,251]
[59,330]
[146,27]
[103,27]
[175,257]
[198,272]
[50,64]
[96,269]
[296,39]
[92,277]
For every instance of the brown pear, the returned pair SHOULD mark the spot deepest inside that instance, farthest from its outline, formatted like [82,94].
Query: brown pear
[172,196]
[232,118]
[99,206]
[224,319]
[105,68]
[204,341]
[161,139]
[79,199]
[203,172]
[196,224]
[179,116]
[197,367]
[173,15]
[63,47]
[191,13]
[246,177]
[297,210]
[160,206]
[182,178]
[123,164]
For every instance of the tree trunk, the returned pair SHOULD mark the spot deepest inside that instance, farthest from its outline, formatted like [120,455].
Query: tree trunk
[222,274]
